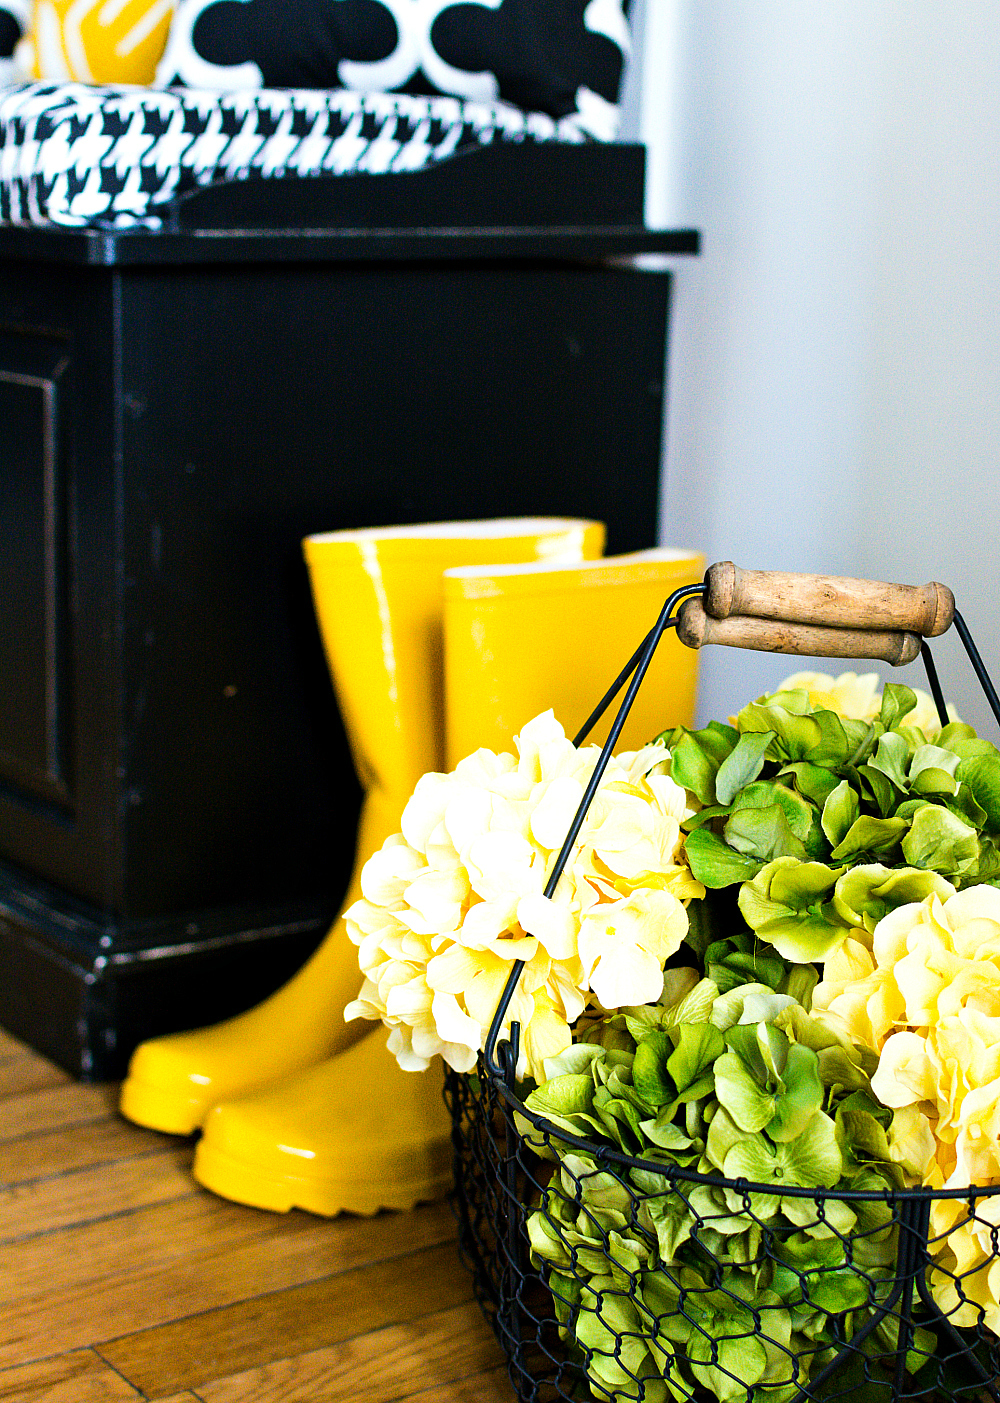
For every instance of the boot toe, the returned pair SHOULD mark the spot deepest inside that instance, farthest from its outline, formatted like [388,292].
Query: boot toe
[170,1085]
[354,1134]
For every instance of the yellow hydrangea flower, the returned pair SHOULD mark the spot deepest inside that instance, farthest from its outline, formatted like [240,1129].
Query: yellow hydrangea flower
[927,996]
[858,696]
[454,900]
[852,694]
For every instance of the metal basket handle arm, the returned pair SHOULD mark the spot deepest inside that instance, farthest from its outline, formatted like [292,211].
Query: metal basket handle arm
[775,612]
[637,666]
[694,628]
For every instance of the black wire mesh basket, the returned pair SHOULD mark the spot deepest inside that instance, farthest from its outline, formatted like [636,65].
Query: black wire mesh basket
[629,1280]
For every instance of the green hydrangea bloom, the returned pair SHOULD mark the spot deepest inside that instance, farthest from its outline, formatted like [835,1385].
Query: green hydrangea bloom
[812,786]
[676,1284]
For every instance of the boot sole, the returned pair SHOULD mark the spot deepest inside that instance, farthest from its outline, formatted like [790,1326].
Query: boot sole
[245,1183]
[157,1109]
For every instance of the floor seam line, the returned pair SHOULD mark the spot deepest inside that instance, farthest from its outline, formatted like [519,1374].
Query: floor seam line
[101,1218]
[115,1370]
[284,1290]
[83,1168]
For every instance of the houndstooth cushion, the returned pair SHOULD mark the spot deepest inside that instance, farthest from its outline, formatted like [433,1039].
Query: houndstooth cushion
[112,157]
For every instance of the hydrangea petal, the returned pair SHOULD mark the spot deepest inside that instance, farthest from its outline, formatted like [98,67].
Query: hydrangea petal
[911,1141]
[483,768]
[974,903]
[553,923]
[409,1000]
[554,811]
[503,864]
[545,1035]
[565,985]
[621,976]
[425,809]
[400,1044]
[453,969]
[905,1072]
[455,900]
[387,872]
[438,897]
[454,1024]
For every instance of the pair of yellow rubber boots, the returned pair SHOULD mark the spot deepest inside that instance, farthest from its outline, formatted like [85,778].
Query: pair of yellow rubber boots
[485,623]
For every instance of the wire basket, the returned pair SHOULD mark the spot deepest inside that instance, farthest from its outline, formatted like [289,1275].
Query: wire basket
[573,1244]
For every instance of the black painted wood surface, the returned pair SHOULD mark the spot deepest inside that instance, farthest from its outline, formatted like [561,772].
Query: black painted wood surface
[177,801]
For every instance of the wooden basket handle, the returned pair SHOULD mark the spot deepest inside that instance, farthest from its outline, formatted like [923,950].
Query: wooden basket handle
[830,600]
[695,628]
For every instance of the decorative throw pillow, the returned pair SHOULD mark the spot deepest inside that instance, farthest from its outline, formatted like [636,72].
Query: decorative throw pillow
[14,16]
[562,57]
[96,41]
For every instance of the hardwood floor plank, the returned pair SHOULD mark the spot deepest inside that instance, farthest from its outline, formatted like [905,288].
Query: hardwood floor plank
[206,1248]
[89,1255]
[491,1387]
[121,1280]
[186,1353]
[29,1072]
[71,1288]
[31,1112]
[95,1193]
[379,1367]
[80,1147]
[80,1377]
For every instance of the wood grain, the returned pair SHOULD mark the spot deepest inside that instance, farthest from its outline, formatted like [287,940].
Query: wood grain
[94,1193]
[121,1280]
[49,1109]
[186,1353]
[29,1073]
[80,1147]
[108,1253]
[491,1387]
[11,1046]
[696,628]
[80,1377]
[169,1266]
[210,1240]
[439,1348]
[834,601]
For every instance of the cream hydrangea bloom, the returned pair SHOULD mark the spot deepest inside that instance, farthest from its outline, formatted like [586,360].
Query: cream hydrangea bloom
[852,694]
[927,996]
[454,900]
[858,696]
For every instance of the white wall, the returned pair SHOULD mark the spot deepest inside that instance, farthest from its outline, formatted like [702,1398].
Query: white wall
[933,409]
[835,363]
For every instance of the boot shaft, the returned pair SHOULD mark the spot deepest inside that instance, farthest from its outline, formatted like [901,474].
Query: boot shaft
[378,597]
[524,638]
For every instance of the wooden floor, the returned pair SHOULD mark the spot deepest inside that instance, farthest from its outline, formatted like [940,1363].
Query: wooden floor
[120,1279]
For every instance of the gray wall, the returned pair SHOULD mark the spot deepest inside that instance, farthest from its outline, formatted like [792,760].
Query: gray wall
[835,366]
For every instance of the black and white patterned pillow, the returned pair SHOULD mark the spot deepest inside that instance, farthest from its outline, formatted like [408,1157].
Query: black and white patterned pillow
[116,157]
[14,16]
[561,57]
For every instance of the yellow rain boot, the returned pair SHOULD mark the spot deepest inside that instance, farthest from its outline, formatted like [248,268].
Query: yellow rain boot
[378,601]
[522,638]
[356,1132]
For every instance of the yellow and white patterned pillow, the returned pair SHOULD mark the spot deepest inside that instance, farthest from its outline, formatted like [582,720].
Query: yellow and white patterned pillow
[95,41]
